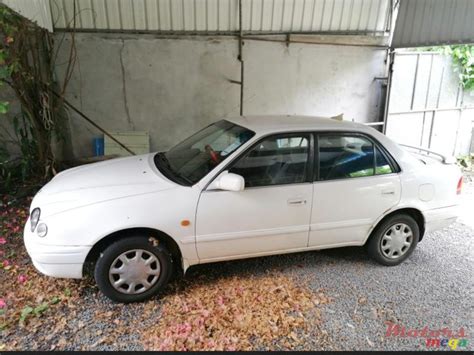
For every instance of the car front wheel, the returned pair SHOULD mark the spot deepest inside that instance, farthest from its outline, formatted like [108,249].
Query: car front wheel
[133,269]
[394,240]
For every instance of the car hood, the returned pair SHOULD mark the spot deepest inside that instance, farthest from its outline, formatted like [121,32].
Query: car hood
[99,182]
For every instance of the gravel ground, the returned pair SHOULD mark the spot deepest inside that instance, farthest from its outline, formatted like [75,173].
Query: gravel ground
[432,288]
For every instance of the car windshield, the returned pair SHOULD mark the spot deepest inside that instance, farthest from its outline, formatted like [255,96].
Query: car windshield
[191,160]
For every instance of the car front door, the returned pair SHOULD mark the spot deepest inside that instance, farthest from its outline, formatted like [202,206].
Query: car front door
[272,213]
[356,183]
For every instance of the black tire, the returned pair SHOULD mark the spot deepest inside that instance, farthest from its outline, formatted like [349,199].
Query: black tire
[374,244]
[113,251]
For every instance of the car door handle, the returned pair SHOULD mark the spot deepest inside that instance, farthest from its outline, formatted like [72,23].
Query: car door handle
[388,192]
[296,201]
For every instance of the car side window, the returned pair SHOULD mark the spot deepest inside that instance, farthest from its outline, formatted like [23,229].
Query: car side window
[382,166]
[275,161]
[345,157]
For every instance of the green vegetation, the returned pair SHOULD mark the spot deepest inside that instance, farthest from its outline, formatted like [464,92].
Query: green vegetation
[463,58]
[27,62]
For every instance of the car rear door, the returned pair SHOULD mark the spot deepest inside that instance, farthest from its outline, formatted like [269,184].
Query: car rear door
[356,182]
[272,213]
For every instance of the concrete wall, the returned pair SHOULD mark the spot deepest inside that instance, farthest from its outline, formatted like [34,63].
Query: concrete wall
[172,87]
[313,79]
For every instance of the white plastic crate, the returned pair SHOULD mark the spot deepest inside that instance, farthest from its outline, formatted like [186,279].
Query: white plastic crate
[137,141]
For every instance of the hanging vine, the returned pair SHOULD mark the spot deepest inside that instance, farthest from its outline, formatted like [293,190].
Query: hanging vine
[27,56]
[463,60]
[464,56]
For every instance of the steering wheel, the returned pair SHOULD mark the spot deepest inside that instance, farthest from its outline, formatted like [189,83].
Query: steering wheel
[212,153]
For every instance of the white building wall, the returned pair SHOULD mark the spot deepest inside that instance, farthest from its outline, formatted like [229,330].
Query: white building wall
[324,80]
[172,87]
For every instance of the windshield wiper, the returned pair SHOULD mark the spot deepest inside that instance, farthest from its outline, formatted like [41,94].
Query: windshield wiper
[166,164]
[165,161]
[183,177]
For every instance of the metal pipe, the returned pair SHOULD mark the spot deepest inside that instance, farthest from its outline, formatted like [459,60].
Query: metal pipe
[414,82]
[434,110]
[241,59]
[221,33]
[440,86]
[391,62]
[426,101]
[445,158]
[431,129]
[258,38]
[263,39]
[76,110]
[417,53]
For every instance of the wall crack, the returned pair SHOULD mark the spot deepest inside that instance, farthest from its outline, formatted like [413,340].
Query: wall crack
[124,87]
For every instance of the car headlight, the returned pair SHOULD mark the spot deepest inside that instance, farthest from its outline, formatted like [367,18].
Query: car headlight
[34,218]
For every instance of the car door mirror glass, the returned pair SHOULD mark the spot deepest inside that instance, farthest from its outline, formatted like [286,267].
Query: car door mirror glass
[228,182]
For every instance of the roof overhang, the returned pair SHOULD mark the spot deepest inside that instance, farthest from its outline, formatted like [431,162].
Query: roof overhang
[423,23]
[38,11]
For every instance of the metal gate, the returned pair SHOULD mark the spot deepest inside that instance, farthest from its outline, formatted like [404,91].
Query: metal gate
[427,105]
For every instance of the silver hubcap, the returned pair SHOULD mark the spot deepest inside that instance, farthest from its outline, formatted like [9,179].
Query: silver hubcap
[396,241]
[134,271]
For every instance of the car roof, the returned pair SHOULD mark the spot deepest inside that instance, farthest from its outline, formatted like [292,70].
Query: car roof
[274,124]
[264,125]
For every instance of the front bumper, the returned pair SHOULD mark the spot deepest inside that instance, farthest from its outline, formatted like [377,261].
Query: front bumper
[55,260]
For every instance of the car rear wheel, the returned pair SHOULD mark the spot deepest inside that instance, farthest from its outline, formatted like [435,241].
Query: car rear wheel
[133,269]
[393,240]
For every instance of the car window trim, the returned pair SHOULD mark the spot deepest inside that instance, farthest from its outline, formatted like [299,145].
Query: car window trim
[310,159]
[391,161]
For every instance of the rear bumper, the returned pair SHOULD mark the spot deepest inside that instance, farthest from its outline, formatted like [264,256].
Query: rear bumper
[440,218]
[55,260]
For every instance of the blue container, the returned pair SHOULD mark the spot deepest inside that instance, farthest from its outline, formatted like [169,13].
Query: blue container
[99,146]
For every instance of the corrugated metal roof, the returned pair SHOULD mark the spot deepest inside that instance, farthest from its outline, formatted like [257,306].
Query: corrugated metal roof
[434,22]
[258,16]
[35,10]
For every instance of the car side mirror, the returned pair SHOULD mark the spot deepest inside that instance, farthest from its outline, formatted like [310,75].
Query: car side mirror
[228,182]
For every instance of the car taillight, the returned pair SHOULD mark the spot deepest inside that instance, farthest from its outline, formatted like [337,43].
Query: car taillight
[459,188]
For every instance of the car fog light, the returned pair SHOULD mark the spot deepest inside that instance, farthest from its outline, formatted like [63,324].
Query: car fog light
[34,218]
[42,230]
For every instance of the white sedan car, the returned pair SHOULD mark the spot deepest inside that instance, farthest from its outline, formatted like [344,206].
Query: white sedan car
[239,188]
